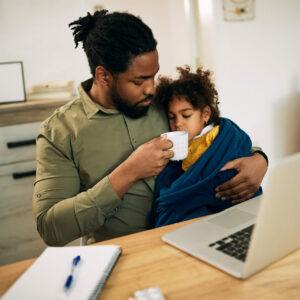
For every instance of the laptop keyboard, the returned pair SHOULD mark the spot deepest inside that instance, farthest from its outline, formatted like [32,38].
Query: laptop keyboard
[236,244]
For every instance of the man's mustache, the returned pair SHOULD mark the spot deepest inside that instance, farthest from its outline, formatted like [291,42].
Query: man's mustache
[149,97]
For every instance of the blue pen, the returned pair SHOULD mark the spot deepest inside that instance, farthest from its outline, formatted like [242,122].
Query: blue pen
[71,276]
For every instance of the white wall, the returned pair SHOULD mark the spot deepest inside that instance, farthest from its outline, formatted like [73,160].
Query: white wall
[37,32]
[169,25]
[257,70]
[256,63]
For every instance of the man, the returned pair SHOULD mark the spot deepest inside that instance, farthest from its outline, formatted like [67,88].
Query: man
[97,156]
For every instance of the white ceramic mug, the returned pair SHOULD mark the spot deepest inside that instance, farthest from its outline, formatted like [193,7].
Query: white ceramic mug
[180,144]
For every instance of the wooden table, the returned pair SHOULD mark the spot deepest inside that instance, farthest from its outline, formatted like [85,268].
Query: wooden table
[146,261]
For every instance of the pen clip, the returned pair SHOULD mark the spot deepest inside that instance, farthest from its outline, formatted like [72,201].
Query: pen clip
[76,260]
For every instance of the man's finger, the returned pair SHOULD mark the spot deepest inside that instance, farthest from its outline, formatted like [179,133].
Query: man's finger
[167,144]
[228,166]
[243,198]
[232,183]
[233,164]
[239,195]
[234,193]
[168,154]
[230,195]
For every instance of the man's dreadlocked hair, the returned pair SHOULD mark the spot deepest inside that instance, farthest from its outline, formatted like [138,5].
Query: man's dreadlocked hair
[196,88]
[111,40]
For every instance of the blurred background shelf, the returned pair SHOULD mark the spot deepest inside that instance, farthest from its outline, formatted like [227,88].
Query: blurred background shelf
[29,111]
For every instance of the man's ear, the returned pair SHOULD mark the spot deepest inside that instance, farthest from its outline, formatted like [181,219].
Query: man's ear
[102,76]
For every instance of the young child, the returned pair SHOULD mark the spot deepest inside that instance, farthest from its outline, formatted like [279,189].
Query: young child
[186,189]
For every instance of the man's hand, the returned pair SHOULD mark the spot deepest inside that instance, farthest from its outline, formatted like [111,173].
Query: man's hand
[250,173]
[150,158]
[147,160]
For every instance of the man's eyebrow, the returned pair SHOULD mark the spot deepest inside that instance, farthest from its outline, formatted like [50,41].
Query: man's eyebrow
[143,77]
[146,76]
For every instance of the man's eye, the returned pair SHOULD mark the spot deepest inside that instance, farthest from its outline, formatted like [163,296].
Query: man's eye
[137,82]
[186,116]
[171,117]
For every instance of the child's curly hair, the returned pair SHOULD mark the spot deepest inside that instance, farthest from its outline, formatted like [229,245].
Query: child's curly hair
[197,88]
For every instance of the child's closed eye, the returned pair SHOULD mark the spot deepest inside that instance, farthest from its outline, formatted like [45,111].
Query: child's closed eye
[186,116]
[171,117]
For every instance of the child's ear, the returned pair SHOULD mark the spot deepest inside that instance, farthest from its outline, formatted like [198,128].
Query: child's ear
[206,113]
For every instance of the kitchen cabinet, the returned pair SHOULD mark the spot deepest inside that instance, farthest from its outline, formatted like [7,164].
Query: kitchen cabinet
[19,126]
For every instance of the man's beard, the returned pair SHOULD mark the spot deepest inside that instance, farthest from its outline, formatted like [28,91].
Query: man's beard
[132,111]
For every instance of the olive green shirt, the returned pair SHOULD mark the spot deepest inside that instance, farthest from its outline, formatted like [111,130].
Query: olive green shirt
[77,148]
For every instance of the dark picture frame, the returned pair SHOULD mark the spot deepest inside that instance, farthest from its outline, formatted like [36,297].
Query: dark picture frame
[12,83]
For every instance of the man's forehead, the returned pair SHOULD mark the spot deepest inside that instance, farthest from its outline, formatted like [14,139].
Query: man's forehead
[143,66]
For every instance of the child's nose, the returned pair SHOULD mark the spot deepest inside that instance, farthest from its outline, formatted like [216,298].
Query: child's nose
[178,123]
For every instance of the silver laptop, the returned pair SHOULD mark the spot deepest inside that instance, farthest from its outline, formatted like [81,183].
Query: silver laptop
[249,236]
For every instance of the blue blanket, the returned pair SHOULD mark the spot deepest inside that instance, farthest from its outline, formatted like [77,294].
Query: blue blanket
[182,195]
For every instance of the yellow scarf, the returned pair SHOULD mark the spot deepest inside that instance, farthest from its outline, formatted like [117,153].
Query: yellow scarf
[198,146]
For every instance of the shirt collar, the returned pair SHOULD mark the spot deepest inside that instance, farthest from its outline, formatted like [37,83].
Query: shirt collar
[204,130]
[91,107]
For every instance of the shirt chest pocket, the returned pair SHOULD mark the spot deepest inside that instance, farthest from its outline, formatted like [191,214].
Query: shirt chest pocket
[97,155]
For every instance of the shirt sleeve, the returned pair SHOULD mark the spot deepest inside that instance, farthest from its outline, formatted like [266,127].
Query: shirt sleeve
[63,213]
[261,152]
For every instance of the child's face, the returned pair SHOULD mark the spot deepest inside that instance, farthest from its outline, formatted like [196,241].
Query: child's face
[184,117]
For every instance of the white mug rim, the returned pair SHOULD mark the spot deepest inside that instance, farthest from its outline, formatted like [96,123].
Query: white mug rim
[174,133]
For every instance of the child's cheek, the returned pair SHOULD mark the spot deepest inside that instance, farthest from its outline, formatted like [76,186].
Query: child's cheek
[172,125]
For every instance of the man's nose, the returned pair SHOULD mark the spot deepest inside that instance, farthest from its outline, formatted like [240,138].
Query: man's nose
[149,88]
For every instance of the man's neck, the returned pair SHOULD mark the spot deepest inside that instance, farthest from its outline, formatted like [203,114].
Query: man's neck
[100,96]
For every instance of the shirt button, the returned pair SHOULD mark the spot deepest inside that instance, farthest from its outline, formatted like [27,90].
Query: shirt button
[38,195]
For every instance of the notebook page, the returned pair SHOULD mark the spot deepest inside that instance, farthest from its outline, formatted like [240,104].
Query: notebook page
[45,279]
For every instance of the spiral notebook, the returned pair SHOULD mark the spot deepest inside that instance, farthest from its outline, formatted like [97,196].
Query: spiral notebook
[47,276]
